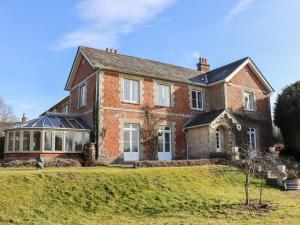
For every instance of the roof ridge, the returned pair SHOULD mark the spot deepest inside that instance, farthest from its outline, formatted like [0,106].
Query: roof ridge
[228,64]
[135,57]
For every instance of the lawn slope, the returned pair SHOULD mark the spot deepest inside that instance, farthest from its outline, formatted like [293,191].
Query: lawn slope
[187,195]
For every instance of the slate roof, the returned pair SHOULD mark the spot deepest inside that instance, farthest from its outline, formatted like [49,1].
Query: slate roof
[55,120]
[138,65]
[218,74]
[203,118]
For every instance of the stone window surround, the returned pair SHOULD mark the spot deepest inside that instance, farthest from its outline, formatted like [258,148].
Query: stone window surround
[141,88]
[195,88]
[167,83]
[85,83]
[42,140]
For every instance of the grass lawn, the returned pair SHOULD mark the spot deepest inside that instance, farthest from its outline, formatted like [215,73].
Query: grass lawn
[185,195]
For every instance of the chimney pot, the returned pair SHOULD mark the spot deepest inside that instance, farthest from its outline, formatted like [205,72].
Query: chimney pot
[203,66]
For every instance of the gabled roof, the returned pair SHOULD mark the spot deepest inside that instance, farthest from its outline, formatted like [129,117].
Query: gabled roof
[66,99]
[203,118]
[227,72]
[220,73]
[207,118]
[105,59]
[134,65]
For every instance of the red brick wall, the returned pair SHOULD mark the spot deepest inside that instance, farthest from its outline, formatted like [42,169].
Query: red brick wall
[215,97]
[112,98]
[260,119]
[84,71]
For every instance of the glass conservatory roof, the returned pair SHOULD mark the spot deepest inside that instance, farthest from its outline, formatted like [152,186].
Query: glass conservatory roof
[55,120]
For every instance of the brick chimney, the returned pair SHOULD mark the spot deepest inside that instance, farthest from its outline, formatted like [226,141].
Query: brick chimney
[24,118]
[110,50]
[203,66]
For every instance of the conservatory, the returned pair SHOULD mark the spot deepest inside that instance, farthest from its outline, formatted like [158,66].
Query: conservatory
[50,135]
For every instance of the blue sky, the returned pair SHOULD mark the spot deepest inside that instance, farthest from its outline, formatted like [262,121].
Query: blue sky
[39,39]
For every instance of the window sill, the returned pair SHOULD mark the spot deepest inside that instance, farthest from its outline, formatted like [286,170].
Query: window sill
[250,110]
[133,103]
[197,109]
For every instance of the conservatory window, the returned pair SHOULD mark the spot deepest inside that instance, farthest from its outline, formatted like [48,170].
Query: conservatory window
[69,142]
[78,142]
[58,141]
[10,141]
[26,141]
[48,141]
[36,141]
[17,141]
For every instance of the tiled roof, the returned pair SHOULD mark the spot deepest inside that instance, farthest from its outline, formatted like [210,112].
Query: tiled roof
[218,74]
[203,118]
[138,65]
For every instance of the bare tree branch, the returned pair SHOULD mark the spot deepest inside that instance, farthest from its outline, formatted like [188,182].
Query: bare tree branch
[6,111]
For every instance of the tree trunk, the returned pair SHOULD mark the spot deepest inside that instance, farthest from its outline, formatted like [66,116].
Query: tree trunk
[260,191]
[247,184]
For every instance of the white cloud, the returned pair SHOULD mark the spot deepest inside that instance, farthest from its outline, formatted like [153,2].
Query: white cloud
[240,6]
[104,21]
[196,55]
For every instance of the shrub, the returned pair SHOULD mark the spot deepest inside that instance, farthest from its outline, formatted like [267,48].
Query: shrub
[287,118]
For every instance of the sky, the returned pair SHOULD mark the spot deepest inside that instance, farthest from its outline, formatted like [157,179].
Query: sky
[39,39]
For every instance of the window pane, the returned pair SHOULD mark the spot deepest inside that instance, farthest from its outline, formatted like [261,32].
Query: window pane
[160,143]
[199,95]
[193,95]
[135,91]
[126,146]
[167,137]
[69,141]
[159,95]
[126,90]
[10,141]
[26,141]
[48,141]
[126,135]
[167,147]
[135,136]
[17,141]
[58,141]
[135,146]
[78,142]
[167,96]
[36,141]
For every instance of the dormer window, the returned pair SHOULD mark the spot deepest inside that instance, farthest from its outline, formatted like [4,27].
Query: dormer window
[249,101]
[82,96]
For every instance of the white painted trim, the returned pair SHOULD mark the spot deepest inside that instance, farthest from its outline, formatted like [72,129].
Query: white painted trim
[75,66]
[255,70]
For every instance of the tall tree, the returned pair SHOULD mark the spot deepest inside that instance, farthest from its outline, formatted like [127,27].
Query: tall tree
[6,111]
[287,117]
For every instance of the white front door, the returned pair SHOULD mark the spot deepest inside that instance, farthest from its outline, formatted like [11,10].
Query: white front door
[218,140]
[164,143]
[131,142]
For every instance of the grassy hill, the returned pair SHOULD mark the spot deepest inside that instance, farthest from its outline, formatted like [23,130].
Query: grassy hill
[187,195]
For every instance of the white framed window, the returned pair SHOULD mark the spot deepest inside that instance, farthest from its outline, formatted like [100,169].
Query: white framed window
[163,95]
[66,108]
[249,101]
[251,138]
[131,139]
[131,91]
[82,96]
[164,139]
[218,140]
[197,100]
[10,141]
[69,141]
[48,141]
[26,141]
[58,141]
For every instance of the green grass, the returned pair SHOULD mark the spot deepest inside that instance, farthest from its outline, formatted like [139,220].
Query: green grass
[187,195]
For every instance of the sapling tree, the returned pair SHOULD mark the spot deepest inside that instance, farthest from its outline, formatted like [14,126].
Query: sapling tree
[150,129]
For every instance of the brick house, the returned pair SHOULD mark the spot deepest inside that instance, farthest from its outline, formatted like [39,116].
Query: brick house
[202,112]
